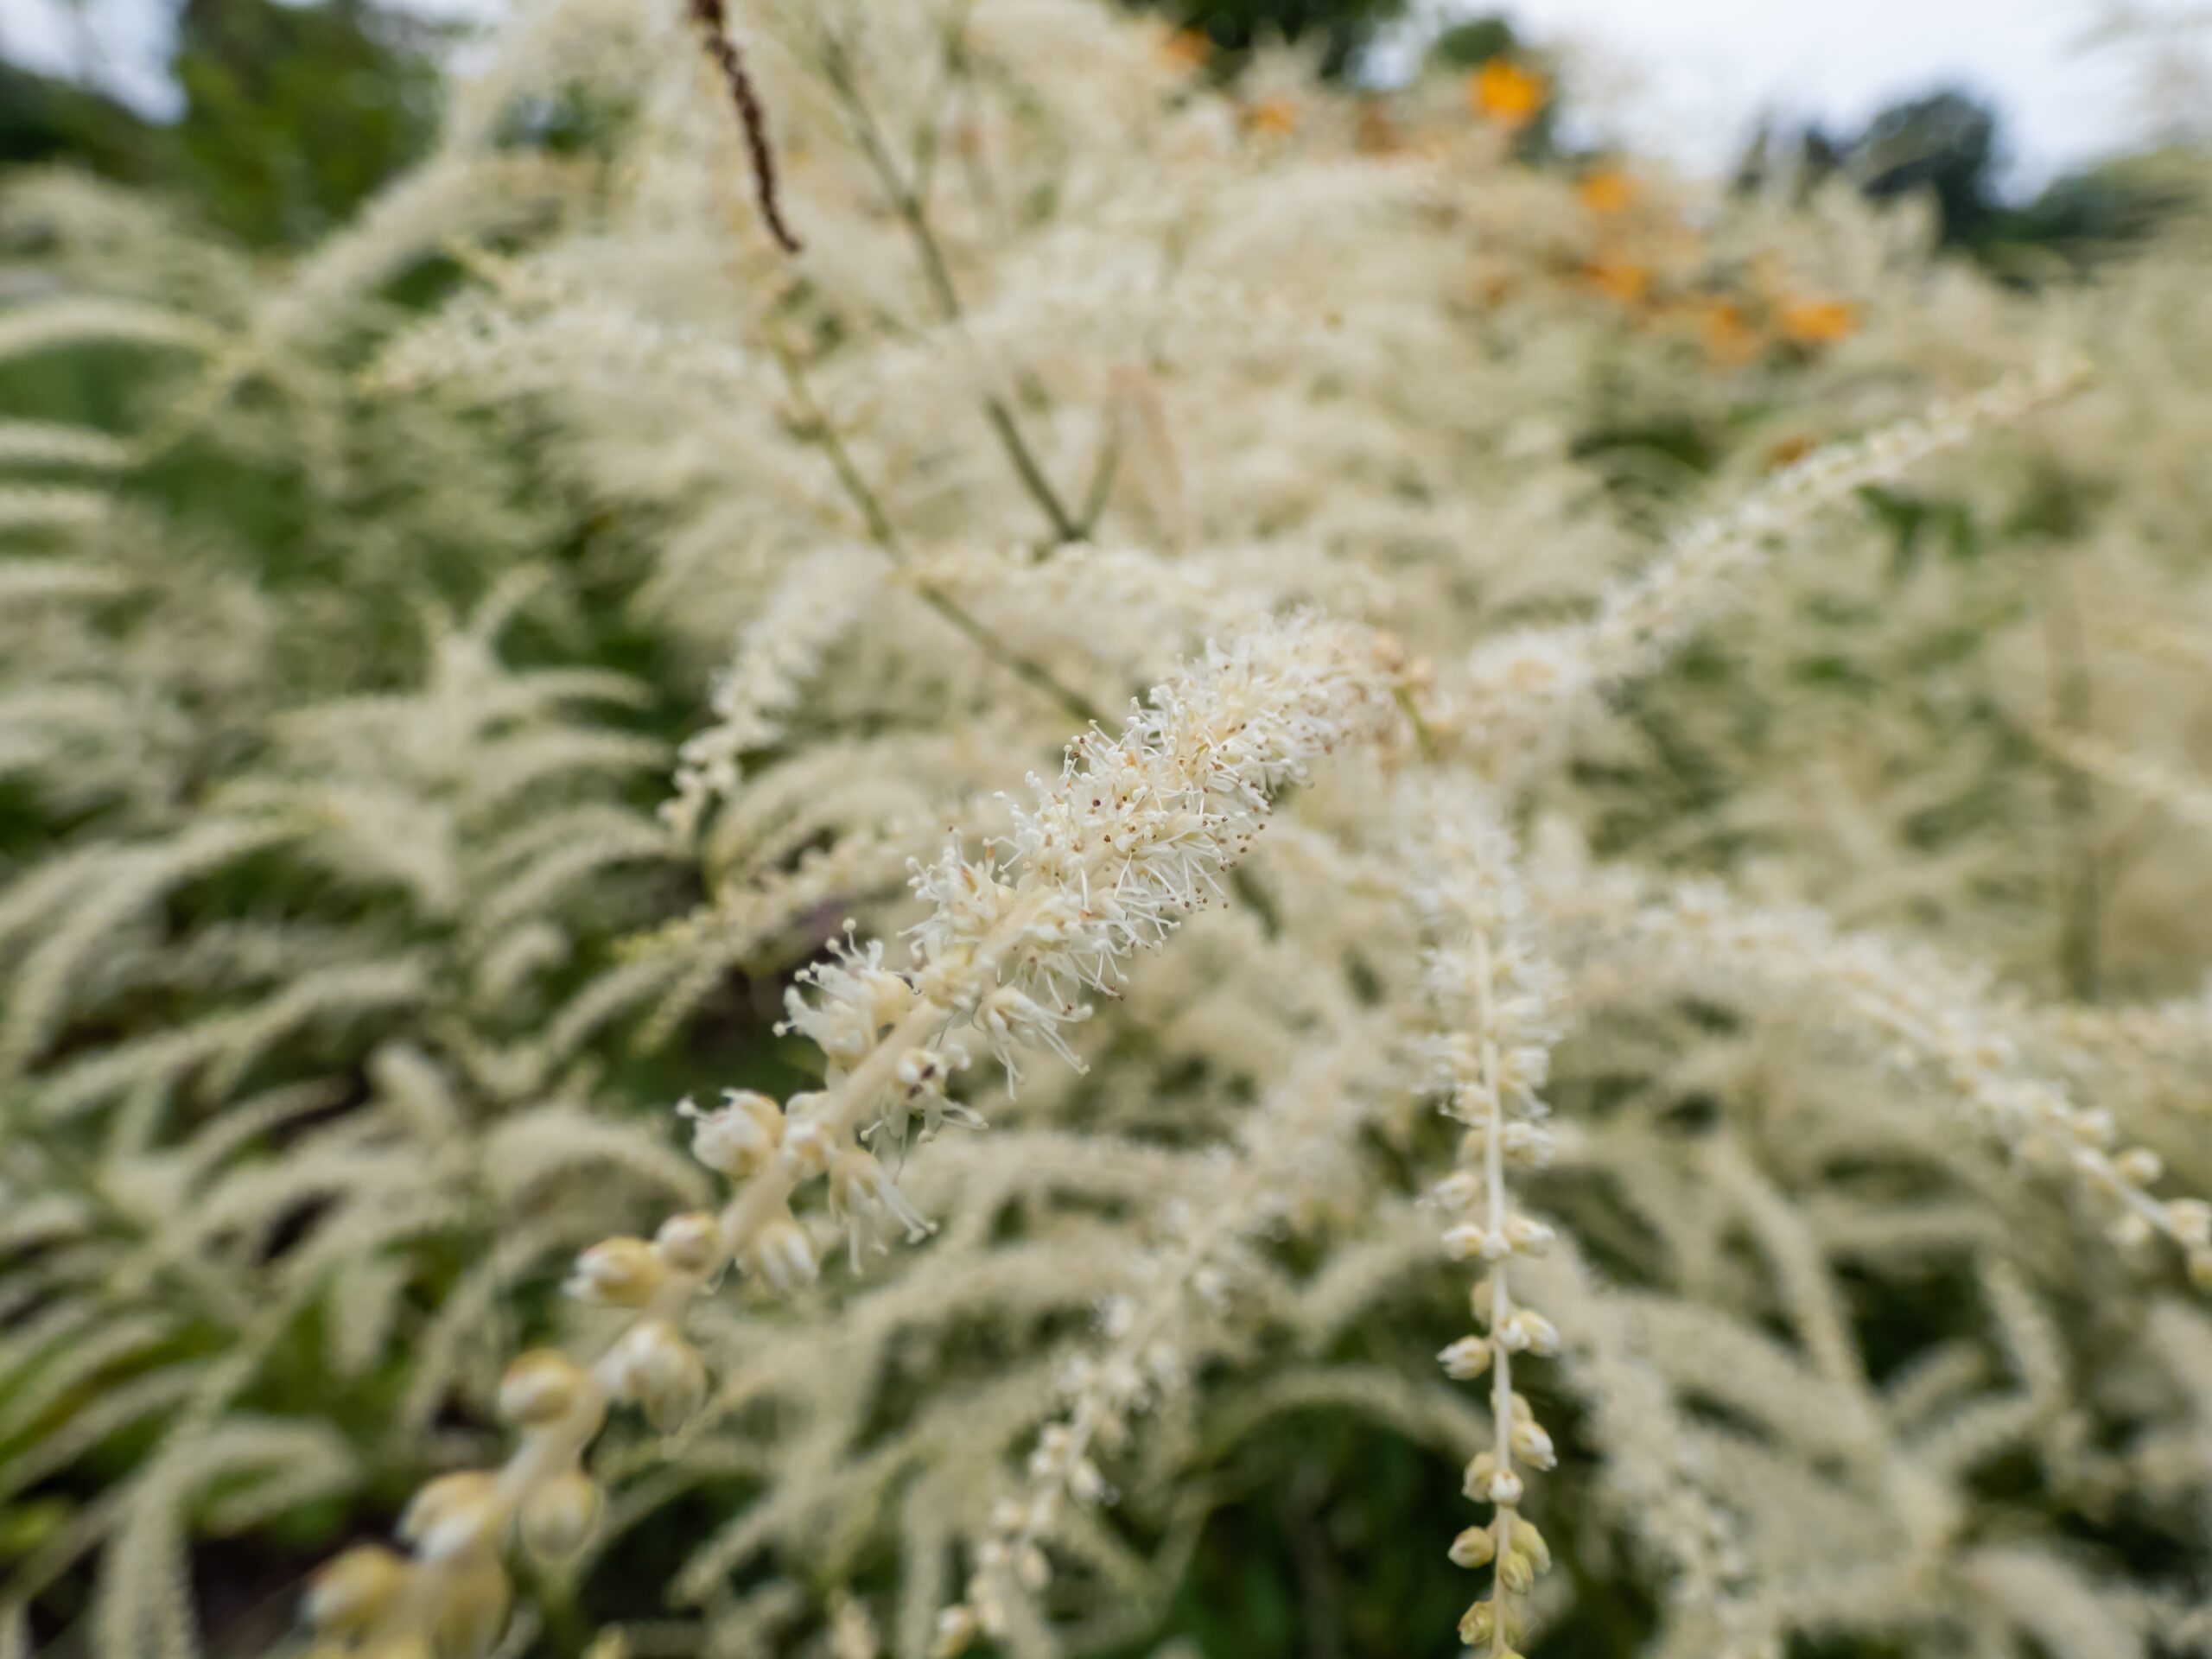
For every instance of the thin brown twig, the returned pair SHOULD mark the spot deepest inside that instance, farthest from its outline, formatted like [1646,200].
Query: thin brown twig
[712,20]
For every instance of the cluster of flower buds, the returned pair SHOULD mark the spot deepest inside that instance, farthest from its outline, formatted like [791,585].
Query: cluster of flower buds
[638,1273]
[1516,1553]
[844,1006]
[1526,1554]
[556,1408]
[451,1597]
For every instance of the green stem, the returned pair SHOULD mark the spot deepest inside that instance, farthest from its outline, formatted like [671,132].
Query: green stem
[2079,923]
[816,425]
[938,276]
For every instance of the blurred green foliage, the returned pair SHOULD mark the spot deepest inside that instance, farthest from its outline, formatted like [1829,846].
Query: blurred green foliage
[1949,146]
[1341,27]
[292,114]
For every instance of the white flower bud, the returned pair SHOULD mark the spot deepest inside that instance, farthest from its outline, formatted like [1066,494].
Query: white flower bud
[1467,1358]
[1030,1570]
[1476,1626]
[689,1243]
[2200,1267]
[1528,1236]
[454,1514]
[353,1592]
[1473,1547]
[1530,1441]
[541,1387]
[662,1373]
[955,1631]
[1515,1572]
[2139,1165]
[1460,1191]
[1530,1542]
[738,1139]
[1085,1484]
[1468,1243]
[617,1273]
[780,1254]
[1528,1330]
[1480,1469]
[2192,1220]
[472,1607]
[559,1515]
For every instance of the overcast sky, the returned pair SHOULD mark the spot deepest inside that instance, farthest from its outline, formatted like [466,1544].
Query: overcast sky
[1685,78]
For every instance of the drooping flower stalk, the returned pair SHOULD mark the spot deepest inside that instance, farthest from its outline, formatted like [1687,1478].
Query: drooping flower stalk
[1520,694]
[1492,996]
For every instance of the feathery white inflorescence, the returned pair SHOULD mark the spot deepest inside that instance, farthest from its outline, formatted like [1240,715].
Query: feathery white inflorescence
[1522,693]
[1136,832]
[769,663]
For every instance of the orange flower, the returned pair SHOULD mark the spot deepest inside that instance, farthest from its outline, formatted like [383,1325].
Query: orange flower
[1817,322]
[1607,193]
[1188,48]
[1729,337]
[1276,117]
[1623,280]
[1507,95]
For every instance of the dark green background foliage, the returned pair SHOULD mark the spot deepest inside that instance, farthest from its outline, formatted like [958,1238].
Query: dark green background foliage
[292,114]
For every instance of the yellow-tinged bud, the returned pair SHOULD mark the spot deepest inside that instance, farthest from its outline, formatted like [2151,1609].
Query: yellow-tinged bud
[2139,1165]
[1516,1573]
[2192,1220]
[2199,1269]
[1486,1483]
[541,1387]
[1467,1358]
[1530,1441]
[739,1138]
[559,1515]
[781,1254]
[662,1373]
[955,1631]
[1530,1542]
[474,1609]
[454,1514]
[1473,1547]
[618,1272]
[1477,1626]
[353,1592]
[689,1243]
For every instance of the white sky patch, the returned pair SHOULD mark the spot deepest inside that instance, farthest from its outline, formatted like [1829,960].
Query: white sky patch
[1683,79]
[1696,74]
